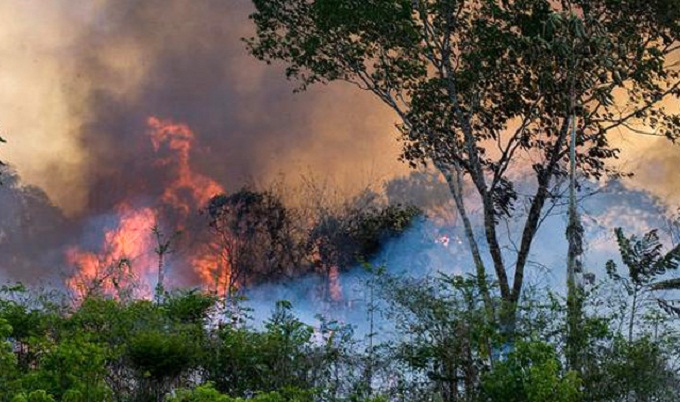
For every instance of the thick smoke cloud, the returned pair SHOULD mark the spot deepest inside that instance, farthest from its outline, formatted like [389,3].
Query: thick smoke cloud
[79,81]
[108,65]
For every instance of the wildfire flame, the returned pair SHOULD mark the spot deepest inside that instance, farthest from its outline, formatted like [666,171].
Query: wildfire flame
[125,249]
[334,286]
[127,253]
[188,189]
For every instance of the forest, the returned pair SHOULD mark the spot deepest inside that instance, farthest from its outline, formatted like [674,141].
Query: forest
[478,277]
[411,337]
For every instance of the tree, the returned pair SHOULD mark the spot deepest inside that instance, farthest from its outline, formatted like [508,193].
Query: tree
[163,248]
[637,371]
[356,232]
[242,360]
[254,236]
[447,343]
[161,357]
[647,263]
[8,360]
[206,393]
[147,347]
[30,325]
[482,87]
[72,370]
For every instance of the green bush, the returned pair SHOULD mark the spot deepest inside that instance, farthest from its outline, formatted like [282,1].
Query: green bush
[531,373]
[161,355]
[35,396]
[72,370]
[207,393]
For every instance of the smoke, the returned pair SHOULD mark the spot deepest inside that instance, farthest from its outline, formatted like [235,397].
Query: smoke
[35,109]
[82,79]
[78,83]
[28,239]
[655,162]
[430,248]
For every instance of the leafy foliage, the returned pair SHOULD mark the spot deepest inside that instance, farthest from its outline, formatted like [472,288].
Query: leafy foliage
[531,373]
[647,264]
[346,239]
[434,343]
[206,393]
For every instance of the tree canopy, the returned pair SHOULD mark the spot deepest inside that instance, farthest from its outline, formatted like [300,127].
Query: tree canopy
[483,88]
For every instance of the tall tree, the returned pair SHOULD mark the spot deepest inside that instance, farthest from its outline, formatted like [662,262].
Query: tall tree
[485,87]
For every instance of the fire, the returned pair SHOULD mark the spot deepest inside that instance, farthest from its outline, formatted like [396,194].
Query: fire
[212,270]
[334,286]
[123,259]
[178,138]
[127,254]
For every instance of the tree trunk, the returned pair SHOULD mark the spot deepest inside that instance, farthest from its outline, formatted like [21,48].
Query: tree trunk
[455,183]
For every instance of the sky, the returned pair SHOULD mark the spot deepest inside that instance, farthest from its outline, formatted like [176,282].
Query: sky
[79,80]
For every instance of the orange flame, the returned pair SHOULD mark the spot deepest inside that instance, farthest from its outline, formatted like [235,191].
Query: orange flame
[334,286]
[125,249]
[213,271]
[179,139]
[130,246]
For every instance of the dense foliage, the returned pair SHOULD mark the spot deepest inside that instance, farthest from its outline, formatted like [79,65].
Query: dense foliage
[261,239]
[425,339]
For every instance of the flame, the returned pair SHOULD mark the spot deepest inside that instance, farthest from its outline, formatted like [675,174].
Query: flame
[334,286]
[127,253]
[178,138]
[213,271]
[124,257]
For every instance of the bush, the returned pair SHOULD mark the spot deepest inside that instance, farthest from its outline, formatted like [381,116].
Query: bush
[531,373]
[207,393]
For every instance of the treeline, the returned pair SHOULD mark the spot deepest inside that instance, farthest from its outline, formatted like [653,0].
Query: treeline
[262,239]
[252,236]
[422,340]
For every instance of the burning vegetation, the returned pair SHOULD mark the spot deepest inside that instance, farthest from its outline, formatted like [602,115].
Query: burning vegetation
[127,255]
[235,240]
[475,279]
